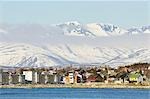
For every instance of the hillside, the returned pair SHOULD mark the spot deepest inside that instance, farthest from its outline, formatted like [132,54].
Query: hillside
[73,43]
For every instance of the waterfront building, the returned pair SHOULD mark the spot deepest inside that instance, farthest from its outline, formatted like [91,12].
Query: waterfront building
[1,71]
[15,78]
[91,78]
[4,77]
[135,77]
[28,76]
[78,77]
[71,77]
[42,78]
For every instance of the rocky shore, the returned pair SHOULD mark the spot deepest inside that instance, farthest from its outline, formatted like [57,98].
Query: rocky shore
[81,85]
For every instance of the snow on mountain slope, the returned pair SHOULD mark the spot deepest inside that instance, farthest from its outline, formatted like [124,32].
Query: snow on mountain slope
[91,29]
[85,54]
[73,43]
[12,54]
[105,29]
[74,28]
[143,29]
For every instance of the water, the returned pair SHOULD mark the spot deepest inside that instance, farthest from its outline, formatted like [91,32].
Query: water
[70,93]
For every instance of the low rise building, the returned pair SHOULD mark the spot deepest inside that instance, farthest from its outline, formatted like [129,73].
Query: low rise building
[4,77]
[135,77]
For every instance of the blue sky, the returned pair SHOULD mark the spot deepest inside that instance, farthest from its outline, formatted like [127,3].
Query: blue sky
[122,13]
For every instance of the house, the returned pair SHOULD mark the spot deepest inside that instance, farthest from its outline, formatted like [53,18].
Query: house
[4,77]
[104,74]
[28,76]
[18,75]
[88,74]
[118,81]
[78,78]
[15,78]
[135,77]
[82,76]
[51,79]
[35,76]
[71,77]
[111,71]
[41,77]
[111,76]
[91,78]
[66,79]
[9,77]
[1,71]
[147,75]
[51,76]
[45,77]
[111,79]
[122,77]
[84,79]
[57,78]
[100,78]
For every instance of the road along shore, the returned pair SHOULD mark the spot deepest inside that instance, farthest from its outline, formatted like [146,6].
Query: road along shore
[80,85]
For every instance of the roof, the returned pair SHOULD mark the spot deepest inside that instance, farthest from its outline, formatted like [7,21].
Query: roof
[134,75]
[92,78]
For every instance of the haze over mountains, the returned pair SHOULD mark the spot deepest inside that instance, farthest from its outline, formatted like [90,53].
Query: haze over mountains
[37,45]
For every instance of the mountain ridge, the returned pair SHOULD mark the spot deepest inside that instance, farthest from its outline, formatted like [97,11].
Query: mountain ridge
[74,28]
[98,29]
[71,43]
[23,55]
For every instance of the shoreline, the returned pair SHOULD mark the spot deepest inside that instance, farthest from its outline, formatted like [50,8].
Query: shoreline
[80,85]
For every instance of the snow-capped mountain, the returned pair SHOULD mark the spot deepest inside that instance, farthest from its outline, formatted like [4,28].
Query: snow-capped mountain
[98,29]
[143,29]
[35,56]
[73,43]
[72,28]
[91,29]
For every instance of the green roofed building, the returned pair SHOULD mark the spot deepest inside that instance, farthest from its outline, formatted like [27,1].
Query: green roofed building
[135,77]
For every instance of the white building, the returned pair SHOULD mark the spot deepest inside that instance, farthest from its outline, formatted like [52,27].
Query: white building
[149,68]
[71,77]
[28,75]
[31,76]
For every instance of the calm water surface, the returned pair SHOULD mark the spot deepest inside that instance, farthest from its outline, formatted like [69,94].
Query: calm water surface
[70,93]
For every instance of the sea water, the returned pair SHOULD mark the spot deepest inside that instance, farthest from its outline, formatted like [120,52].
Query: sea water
[74,93]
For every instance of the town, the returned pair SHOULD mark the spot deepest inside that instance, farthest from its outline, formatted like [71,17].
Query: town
[138,73]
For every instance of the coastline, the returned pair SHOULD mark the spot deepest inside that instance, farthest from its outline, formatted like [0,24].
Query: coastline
[81,85]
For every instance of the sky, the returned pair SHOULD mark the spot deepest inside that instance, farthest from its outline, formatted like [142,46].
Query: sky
[123,13]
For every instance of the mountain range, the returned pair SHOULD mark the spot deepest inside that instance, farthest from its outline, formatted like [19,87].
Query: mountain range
[99,29]
[72,43]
